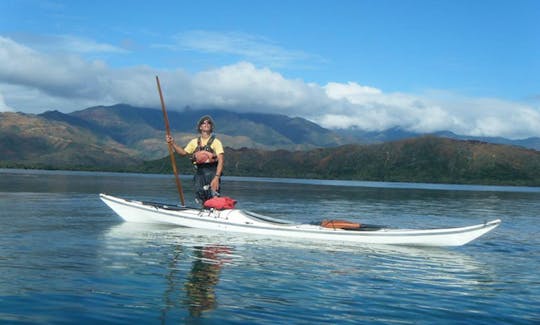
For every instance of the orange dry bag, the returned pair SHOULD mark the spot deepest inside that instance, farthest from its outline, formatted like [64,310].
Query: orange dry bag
[340,224]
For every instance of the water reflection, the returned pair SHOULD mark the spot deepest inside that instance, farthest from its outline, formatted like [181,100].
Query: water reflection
[193,262]
[185,267]
[204,276]
[200,256]
[66,258]
[172,289]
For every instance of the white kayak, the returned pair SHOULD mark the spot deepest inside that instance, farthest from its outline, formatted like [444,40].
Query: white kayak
[242,221]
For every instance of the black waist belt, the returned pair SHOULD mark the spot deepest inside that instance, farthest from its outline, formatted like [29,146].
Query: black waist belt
[211,165]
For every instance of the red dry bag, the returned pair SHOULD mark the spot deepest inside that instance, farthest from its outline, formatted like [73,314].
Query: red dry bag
[220,203]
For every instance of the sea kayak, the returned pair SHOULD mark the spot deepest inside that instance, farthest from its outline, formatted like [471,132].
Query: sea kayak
[243,221]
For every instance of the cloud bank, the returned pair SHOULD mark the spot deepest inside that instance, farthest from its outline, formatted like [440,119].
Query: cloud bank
[33,80]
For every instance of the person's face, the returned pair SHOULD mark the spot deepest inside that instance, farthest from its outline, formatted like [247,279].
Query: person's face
[206,125]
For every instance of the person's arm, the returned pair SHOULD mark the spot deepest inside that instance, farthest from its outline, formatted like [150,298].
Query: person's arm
[175,147]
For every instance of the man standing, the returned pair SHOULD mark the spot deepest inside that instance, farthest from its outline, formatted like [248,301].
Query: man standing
[207,156]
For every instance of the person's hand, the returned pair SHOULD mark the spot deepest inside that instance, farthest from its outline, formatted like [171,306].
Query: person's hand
[214,184]
[169,139]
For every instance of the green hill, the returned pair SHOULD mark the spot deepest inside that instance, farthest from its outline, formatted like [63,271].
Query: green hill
[426,159]
[32,141]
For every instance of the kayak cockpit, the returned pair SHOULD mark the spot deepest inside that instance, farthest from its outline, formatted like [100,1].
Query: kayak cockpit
[267,219]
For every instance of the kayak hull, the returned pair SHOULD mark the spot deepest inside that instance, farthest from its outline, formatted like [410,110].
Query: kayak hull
[241,221]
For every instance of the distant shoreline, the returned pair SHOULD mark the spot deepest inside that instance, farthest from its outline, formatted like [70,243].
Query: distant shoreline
[305,181]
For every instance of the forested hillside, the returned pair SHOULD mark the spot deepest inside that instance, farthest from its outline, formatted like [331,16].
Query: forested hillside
[426,159]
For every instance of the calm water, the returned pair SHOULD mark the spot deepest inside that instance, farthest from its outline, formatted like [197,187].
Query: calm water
[67,258]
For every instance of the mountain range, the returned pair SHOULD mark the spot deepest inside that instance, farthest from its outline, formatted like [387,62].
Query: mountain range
[123,138]
[143,128]
[251,130]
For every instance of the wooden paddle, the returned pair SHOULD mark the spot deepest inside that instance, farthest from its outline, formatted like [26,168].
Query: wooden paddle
[171,151]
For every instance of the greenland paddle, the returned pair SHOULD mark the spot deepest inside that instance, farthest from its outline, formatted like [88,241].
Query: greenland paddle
[171,152]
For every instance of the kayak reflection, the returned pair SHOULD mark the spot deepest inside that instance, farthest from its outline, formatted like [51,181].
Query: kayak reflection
[204,276]
[193,262]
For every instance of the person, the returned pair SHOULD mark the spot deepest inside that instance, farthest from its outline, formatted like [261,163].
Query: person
[207,156]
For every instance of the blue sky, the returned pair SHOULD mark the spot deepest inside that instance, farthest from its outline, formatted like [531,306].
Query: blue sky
[472,67]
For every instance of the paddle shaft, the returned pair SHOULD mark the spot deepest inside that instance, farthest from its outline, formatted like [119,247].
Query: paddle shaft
[169,146]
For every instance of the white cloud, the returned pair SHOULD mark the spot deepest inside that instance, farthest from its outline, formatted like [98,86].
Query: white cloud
[247,88]
[3,106]
[68,44]
[83,45]
[492,117]
[352,91]
[245,46]
[34,81]
[56,75]
[371,109]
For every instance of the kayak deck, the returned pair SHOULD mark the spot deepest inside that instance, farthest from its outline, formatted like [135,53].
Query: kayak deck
[241,221]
